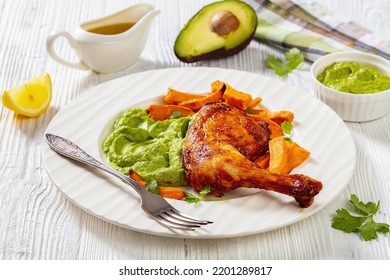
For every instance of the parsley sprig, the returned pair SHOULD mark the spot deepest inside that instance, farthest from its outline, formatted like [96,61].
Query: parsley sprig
[294,59]
[363,223]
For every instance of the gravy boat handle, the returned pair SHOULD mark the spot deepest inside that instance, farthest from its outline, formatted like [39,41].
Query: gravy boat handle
[53,36]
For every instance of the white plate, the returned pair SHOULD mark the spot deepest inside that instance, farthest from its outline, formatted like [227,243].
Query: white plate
[85,121]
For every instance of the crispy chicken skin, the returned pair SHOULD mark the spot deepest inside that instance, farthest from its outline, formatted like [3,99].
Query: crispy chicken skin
[220,147]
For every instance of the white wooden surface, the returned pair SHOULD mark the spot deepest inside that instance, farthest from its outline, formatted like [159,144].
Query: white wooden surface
[37,221]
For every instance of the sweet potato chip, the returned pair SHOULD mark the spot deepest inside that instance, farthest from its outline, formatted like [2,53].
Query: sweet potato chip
[162,112]
[174,96]
[255,102]
[136,177]
[285,156]
[236,98]
[278,116]
[197,103]
[263,161]
[171,192]
[275,129]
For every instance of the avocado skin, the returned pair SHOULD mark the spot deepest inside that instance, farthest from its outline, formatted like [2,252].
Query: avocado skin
[217,53]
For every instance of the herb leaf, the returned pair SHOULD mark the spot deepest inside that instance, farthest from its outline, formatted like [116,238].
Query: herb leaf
[175,115]
[286,128]
[346,221]
[153,187]
[278,66]
[249,110]
[294,59]
[370,229]
[363,224]
[190,198]
[205,191]
[368,208]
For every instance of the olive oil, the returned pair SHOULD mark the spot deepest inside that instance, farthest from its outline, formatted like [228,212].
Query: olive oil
[112,29]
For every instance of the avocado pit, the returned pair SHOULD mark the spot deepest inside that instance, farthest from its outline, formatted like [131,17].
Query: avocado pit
[223,23]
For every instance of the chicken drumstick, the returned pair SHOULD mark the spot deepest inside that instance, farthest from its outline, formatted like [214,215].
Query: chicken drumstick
[220,147]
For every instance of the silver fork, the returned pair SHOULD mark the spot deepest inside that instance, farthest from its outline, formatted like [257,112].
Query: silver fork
[154,205]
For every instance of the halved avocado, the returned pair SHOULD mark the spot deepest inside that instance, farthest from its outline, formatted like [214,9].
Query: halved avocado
[218,30]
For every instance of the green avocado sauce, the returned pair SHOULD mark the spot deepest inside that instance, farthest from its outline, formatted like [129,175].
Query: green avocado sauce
[151,148]
[352,77]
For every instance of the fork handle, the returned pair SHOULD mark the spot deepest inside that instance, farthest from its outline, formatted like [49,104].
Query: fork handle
[69,149]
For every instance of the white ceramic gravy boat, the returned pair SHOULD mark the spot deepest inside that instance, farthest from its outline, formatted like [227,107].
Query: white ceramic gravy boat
[107,53]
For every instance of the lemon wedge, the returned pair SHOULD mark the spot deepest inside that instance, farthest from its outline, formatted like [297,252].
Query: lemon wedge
[30,99]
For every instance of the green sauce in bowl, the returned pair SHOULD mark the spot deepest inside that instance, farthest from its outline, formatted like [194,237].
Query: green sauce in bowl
[352,77]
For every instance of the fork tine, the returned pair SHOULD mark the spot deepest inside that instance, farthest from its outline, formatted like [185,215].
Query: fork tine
[182,220]
[178,222]
[170,224]
[175,215]
[182,215]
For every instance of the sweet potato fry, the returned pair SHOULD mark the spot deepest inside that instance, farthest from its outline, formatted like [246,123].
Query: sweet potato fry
[255,102]
[278,155]
[263,161]
[171,192]
[162,112]
[167,192]
[136,177]
[296,155]
[285,156]
[218,86]
[197,103]
[278,116]
[174,96]
[236,98]
[274,128]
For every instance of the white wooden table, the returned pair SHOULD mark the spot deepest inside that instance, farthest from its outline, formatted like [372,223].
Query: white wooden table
[38,222]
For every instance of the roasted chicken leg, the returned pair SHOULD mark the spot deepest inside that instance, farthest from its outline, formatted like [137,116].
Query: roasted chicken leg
[220,147]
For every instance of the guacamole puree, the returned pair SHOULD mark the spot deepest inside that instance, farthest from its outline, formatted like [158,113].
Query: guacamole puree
[152,149]
[353,77]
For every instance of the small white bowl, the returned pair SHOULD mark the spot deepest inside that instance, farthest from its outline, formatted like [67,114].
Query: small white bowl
[353,107]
